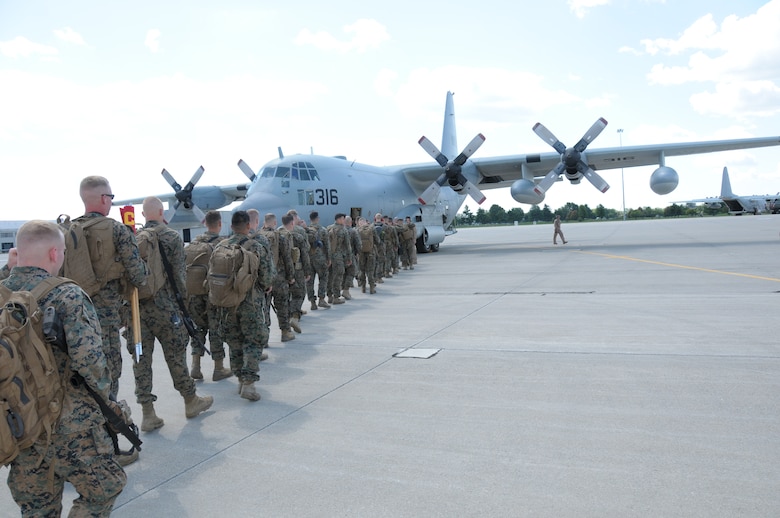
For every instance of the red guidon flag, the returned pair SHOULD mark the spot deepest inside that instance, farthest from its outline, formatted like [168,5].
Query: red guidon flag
[128,216]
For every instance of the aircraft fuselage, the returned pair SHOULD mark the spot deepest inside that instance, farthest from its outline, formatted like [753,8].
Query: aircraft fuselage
[331,185]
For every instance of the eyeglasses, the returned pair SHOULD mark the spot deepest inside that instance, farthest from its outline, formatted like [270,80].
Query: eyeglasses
[109,195]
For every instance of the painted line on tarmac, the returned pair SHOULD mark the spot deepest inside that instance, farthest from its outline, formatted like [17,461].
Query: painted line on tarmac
[672,265]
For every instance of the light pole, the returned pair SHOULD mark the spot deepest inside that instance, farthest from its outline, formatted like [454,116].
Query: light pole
[622,180]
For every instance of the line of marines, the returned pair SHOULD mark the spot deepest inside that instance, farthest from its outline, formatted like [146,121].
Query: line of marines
[297,260]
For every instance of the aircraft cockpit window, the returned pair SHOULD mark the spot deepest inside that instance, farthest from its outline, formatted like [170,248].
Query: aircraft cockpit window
[294,172]
[305,170]
[268,172]
[282,172]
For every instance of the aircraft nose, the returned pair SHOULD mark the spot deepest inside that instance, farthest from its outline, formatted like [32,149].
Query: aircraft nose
[264,202]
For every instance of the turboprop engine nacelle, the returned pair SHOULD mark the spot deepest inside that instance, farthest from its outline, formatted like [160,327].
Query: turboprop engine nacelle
[523,192]
[664,180]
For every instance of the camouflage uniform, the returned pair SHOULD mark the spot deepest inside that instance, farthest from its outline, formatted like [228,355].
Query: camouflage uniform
[407,245]
[108,301]
[319,254]
[161,319]
[379,272]
[285,273]
[302,268]
[352,270]
[368,259]
[392,249]
[340,254]
[265,302]
[244,326]
[200,310]
[5,271]
[81,451]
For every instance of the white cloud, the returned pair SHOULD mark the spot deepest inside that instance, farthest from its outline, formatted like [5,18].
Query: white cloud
[580,7]
[69,35]
[153,40]
[22,47]
[741,57]
[365,34]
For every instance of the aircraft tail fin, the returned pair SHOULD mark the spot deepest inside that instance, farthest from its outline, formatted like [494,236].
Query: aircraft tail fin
[449,139]
[725,186]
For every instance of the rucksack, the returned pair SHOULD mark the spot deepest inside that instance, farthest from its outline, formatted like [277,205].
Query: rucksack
[196,261]
[90,257]
[366,238]
[149,249]
[232,274]
[273,240]
[31,389]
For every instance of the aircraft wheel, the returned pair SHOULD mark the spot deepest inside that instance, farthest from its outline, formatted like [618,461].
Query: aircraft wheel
[422,247]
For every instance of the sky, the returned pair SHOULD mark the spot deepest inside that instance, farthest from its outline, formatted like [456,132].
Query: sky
[125,89]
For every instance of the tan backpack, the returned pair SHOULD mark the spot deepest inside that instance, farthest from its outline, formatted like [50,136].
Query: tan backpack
[366,238]
[196,259]
[90,257]
[232,274]
[148,240]
[31,389]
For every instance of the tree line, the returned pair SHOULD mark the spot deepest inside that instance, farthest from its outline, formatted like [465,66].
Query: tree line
[497,215]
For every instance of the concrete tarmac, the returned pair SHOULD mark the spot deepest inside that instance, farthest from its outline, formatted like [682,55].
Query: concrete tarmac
[634,371]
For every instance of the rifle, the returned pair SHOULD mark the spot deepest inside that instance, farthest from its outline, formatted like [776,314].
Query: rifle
[54,334]
[189,324]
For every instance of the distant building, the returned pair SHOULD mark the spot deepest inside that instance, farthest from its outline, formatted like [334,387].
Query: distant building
[8,230]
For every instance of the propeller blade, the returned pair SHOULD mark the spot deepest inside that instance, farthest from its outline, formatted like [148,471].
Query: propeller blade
[549,179]
[194,179]
[171,181]
[470,149]
[548,137]
[171,212]
[591,134]
[198,213]
[593,177]
[473,191]
[247,170]
[432,150]
[432,192]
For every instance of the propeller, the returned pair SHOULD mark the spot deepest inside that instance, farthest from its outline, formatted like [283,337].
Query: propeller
[571,158]
[247,170]
[183,195]
[452,174]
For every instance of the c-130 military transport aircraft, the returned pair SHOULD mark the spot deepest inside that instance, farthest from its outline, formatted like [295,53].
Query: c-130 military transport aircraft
[430,193]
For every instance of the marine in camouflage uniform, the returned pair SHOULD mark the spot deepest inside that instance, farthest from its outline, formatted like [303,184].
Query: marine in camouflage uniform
[302,269]
[319,254]
[245,330]
[379,227]
[409,235]
[161,319]
[367,259]
[352,269]
[340,258]
[96,194]
[203,315]
[81,452]
[255,234]
[285,276]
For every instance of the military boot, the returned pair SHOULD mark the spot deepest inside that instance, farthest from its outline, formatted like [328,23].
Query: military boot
[220,371]
[346,294]
[195,372]
[295,325]
[248,391]
[330,299]
[195,404]
[338,300]
[373,290]
[150,421]
[125,458]
[363,288]
[314,305]
[323,304]
[287,335]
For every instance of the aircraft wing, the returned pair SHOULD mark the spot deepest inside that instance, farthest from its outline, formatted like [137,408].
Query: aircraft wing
[206,198]
[502,171]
